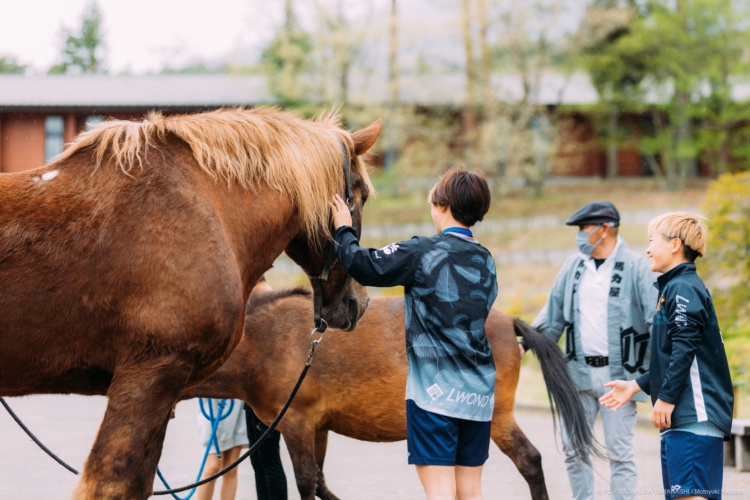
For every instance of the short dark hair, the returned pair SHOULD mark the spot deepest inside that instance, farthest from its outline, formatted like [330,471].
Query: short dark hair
[466,193]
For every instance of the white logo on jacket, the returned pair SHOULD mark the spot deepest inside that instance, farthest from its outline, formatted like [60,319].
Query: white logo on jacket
[389,249]
[434,391]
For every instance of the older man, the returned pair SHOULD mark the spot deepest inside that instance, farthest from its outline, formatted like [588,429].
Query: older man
[603,300]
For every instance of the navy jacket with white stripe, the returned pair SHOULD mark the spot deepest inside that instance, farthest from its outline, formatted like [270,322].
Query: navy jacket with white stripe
[688,365]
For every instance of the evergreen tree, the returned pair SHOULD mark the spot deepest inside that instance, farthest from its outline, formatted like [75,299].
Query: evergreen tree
[82,51]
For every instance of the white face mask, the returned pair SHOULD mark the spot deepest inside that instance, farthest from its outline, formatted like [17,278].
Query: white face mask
[582,241]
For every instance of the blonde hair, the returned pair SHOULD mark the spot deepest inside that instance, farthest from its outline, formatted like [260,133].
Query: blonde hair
[690,229]
[249,147]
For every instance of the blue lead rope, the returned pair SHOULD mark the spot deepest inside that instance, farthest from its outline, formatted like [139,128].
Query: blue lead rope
[212,440]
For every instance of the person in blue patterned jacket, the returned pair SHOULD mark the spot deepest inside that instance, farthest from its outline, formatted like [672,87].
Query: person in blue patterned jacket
[450,285]
[688,377]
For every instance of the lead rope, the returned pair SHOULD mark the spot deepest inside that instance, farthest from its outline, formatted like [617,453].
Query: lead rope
[33,438]
[221,415]
[314,341]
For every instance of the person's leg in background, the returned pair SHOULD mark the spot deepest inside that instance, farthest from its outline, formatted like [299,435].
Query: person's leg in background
[581,474]
[229,479]
[619,432]
[213,465]
[270,480]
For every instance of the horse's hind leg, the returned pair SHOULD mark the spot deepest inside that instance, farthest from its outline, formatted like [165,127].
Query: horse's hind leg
[123,460]
[321,445]
[513,442]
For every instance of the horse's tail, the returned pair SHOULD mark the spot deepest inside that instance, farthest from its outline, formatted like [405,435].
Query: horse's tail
[561,390]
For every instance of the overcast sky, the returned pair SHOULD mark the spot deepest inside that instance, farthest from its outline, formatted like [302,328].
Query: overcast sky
[146,35]
[141,35]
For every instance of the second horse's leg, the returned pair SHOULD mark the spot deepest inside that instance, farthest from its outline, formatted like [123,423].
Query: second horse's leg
[321,445]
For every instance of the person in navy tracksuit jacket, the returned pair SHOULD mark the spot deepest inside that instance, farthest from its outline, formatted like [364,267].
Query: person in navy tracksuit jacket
[688,377]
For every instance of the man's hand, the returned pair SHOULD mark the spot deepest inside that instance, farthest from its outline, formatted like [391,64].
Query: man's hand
[341,214]
[662,414]
[622,392]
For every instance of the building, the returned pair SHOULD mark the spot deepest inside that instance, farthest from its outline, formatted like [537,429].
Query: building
[39,115]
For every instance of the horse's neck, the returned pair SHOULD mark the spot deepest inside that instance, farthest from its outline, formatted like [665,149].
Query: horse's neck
[260,225]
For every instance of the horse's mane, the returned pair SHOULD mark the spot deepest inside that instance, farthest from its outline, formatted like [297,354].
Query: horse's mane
[260,300]
[300,158]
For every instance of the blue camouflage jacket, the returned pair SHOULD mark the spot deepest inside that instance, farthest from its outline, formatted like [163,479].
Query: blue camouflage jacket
[449,288]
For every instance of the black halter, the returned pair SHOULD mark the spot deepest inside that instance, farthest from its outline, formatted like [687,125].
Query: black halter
[321,319]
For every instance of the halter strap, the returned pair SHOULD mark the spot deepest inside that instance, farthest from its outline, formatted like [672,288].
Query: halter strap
[321,318]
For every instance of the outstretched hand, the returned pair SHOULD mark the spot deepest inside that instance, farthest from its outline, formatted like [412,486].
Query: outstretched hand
[341,214]
[622,392]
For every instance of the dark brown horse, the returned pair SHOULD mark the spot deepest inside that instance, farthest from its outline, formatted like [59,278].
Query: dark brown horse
[126,263]
[356,384]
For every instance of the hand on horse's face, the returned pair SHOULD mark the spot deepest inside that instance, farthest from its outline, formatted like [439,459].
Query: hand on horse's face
[341,214]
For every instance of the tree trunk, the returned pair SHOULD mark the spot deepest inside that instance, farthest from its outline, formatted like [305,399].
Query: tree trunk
[390,150]
[469,112]
[612,170]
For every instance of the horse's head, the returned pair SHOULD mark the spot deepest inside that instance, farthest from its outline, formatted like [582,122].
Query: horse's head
[339,299]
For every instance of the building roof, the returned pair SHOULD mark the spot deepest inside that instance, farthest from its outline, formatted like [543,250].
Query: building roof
[122,93]
[104,93]
[551,88]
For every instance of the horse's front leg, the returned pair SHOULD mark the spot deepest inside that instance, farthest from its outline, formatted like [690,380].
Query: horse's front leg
[299,436]
[321,445]
[126,452]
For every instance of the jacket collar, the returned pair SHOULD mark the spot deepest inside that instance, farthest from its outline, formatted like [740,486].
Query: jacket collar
[684,268]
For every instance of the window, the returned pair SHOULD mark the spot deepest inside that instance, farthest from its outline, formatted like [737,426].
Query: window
[93,121]
[53,137]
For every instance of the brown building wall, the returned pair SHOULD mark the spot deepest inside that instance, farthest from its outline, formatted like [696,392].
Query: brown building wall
[21,142]
[577,151]
[629,163]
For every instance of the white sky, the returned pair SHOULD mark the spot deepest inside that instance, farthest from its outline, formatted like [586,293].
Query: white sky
[141,35]
[146,35]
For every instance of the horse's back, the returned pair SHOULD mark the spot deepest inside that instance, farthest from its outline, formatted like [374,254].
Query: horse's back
[90,273]
[358,378]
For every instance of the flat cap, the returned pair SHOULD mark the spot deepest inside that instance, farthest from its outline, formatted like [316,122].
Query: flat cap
[596,212]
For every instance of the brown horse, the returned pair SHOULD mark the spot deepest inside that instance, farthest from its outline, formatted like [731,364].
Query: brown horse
[126,263]
[356,383]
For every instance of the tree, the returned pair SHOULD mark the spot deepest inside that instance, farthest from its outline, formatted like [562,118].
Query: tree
[615,74]
[727,207]
[673,61]
[285,59]
[517,134]
[82,52]
[9,65]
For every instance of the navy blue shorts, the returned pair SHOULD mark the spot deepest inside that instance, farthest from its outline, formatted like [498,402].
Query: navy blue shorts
[434,439]
[691,464]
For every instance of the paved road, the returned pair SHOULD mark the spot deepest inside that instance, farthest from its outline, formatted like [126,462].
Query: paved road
[355,470]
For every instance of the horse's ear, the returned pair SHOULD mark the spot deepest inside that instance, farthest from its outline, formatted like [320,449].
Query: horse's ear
[364,139]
